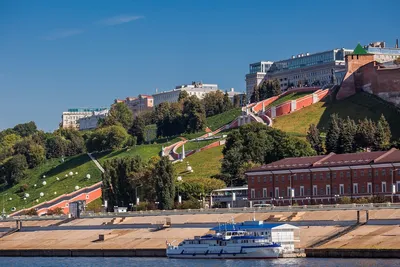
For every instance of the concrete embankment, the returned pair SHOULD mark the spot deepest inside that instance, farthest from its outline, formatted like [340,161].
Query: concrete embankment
[83,253]
[352,253]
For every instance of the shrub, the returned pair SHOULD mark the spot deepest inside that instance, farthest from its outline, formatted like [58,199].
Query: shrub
[345,200]
[55,211]
[23,188]
[31,212]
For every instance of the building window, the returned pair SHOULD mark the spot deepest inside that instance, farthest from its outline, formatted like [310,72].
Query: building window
[348,174]
[264,192]
[252,180]
[276,192]
[334,175]
[369,188]
[302,190]
[253,193]
[369,173]
[283,178]
[321,176]
[265,179]
[355,188]
[315,190]
[362,173]
[270,179]
[288,191]
[383,172]
[328,189]
[314,176]
[354,174]
[277,179]
[376,173]
[341,189]
[341,174]
[328,175]
[258,179]
[383,187]
[295,177]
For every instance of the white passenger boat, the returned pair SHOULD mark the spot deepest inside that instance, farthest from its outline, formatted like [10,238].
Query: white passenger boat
[226,244]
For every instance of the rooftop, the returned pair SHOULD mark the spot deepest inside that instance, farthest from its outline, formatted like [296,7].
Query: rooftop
[251,225]
[332,160]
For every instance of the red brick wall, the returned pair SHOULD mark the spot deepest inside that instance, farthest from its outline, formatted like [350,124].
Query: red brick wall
[283,109]
[304,102]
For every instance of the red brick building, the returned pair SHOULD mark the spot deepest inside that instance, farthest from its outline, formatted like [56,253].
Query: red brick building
[326,179]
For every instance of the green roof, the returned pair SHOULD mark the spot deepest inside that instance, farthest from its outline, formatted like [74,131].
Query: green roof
[359,50]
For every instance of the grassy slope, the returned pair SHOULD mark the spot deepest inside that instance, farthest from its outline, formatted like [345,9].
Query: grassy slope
[52,169]
[356,107]
[205,164]
[217,121]
[287,97]
[196,145]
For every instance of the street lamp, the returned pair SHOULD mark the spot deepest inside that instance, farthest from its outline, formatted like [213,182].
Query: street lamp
[280,198]
[393,185]
[336,196]
[136,195]
[179,179]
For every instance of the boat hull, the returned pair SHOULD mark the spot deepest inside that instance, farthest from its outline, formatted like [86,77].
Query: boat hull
[247,253]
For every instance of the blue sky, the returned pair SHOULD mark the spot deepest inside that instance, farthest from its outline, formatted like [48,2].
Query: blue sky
[56,55]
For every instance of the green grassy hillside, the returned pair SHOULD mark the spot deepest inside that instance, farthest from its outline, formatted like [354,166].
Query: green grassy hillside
[287,97]
[52,169]
[205,164]
[217,121]
[356,107]
[196,145]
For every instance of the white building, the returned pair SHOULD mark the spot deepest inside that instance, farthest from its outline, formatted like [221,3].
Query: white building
[90,122]
[196,88]
[256,74]
[229,197]
[70,118]
[382,53]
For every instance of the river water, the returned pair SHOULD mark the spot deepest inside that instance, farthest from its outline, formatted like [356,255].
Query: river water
[161,262]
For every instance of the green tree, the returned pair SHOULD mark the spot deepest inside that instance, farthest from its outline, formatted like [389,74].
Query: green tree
[346,141]
[383,134]
[119,114]
[236,101]
[227,103]
[213,103]
[137,129]
[183,95]
[8,141]
[56,147]
[36,155]
[14,169]
[315,140]
[333,133]
[25,129]
[75,143]
[193,115]
[116,137]
[163,174]
[365,135]
[119,187]
[255,96]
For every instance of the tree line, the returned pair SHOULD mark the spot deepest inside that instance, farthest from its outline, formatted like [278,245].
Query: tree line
[265,90]
[348,136]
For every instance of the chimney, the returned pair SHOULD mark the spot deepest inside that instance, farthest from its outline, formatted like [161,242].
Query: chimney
[397,43]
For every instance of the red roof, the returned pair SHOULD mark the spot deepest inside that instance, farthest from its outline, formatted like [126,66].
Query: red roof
[332,160]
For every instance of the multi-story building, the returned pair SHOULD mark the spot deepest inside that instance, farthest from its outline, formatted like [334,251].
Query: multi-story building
[90,122]
[70,118]
[326,179]
[256,75]
[196,88]
[229,197]
[382,53]
[138,104]
[301,70]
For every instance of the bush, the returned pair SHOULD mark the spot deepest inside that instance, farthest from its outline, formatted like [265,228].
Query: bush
[55,211]
[23,188]
[345,200]
[31,212]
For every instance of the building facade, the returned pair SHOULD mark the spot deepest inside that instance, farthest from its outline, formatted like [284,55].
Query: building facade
[382,53]
[90,122]
[302,70]
[138,104]
[229,197]
[256,75]
[326,179]
[70,118]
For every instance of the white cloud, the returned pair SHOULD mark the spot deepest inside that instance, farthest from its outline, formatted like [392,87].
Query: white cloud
[64,33]
[119,20]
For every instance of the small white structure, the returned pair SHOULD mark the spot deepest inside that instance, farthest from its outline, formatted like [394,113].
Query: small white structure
[120,209]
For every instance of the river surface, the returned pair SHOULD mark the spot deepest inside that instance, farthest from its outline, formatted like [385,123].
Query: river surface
[161,262]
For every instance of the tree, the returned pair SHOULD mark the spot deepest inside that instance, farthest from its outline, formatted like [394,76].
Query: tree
[213,103]
[137,129]
[119,114]
[163,174]
[236,101]
[365,135]
[56,147]
[255,96]
[383,134]
[25,129]
[183,95]
[227,103]
[119,187]
[315,140]
[332,135]
[14,169]
[193,115]
[75,143]
[116,137]
[36,155]
[346,141]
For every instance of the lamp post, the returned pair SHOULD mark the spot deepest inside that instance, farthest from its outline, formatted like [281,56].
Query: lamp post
[336,196]
[137,199]
[179,179]
[393,185]
[280,198]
